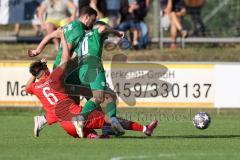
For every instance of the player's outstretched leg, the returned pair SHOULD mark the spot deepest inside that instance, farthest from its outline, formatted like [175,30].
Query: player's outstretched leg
[117,127]
[94,121]
[89,106]
[150,128]
[39,122]
[134,126]
[110,101]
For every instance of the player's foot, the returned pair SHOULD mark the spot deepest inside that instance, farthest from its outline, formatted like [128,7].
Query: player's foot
[92,136]
[116,127]
[78,123]
[107,130]
[39,122]
[150,128]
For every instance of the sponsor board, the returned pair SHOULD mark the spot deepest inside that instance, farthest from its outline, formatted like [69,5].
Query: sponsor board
[137,84]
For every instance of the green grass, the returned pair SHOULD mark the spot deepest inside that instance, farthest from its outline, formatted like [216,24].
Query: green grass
[175,138]
[198,53]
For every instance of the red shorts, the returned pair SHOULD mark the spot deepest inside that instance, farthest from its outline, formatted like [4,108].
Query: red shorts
[51,118]
[63,111]
[95,120]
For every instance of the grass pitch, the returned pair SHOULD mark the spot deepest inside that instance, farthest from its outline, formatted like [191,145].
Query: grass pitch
[202,53]
[174,139]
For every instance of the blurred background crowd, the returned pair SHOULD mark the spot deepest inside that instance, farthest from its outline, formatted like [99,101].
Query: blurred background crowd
[131,16]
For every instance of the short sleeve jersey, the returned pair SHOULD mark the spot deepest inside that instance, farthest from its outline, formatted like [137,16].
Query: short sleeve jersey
[92,44]
[74,33]
[44,91]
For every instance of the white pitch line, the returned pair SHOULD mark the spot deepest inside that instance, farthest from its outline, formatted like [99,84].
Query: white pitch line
[167,155]
[142,157]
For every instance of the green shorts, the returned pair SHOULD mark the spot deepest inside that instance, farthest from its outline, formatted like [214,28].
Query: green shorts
[73,78]
[93,78]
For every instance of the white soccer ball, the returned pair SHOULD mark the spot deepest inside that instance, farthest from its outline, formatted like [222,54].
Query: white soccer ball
[201,120]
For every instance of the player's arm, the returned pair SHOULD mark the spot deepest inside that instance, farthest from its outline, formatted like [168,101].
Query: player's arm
[57,76]
[105,29]
[65,50]
[44,42]
[29,83]
[32,79]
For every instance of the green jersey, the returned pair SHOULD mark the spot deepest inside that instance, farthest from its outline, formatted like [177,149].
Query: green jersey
[73,32]
[91,71]
[91,45]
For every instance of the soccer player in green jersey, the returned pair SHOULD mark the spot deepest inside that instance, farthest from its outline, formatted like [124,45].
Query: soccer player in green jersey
[92,74]
[74,32]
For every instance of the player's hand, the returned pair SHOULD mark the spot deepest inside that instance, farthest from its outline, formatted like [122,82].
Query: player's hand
[121,34]
[33,53]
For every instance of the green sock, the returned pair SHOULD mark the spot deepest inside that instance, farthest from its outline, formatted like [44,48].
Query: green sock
[88,107]
[111,109]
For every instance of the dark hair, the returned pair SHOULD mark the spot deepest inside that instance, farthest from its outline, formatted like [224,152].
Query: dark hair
[87,10]
[36,67]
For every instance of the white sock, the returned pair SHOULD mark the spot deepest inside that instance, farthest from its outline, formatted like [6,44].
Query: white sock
[43,120]
[144,129]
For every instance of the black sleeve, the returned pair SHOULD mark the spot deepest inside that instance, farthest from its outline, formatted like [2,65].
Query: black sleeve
[124,9]
[142,11]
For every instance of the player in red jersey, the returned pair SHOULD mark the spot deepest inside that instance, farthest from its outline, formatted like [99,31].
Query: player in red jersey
[61,108]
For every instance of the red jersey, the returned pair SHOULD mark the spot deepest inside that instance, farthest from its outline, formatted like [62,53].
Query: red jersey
[48,96]
[60,107]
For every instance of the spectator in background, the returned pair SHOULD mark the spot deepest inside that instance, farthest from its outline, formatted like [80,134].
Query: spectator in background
[57,15]
[194,8]
[17,26]
[175,10]
[95,5]
[141,13]
[83,3]
[129,20]
[98,5]
[112,11]
[36,22]
[76,2]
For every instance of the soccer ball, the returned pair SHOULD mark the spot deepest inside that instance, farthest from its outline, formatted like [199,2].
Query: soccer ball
[201,120]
